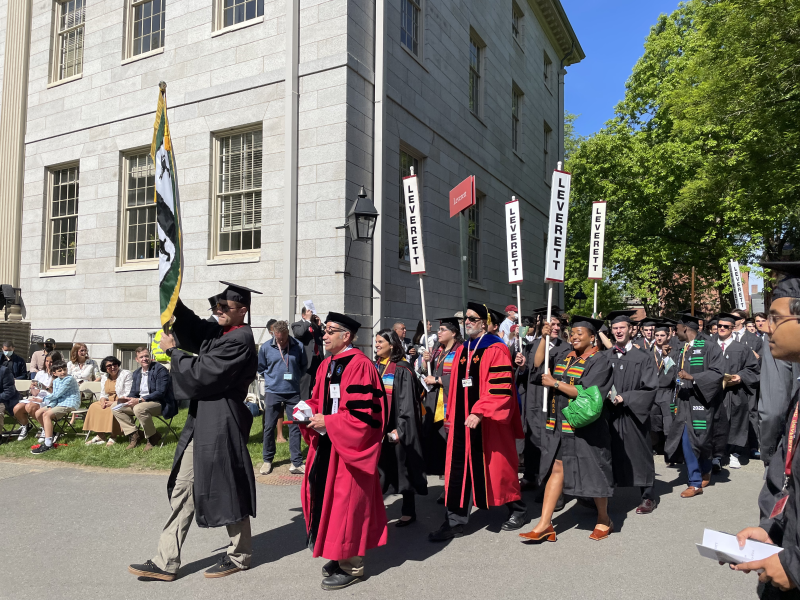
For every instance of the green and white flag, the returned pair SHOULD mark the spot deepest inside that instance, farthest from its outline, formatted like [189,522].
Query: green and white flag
[170,238]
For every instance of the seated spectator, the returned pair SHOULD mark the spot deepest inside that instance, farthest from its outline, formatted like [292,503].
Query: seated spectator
[80,366]
[41,386]
[65,398]
[37,360]
[13,362]
[9,396]
[151,395]
[115,383]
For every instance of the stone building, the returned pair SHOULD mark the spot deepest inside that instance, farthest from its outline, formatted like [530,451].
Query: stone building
[280,110]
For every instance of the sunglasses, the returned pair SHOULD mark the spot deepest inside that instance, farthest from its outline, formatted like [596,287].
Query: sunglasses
[724,326]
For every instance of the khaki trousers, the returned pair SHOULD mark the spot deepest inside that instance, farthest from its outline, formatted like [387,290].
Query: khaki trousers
[2,414]
[353,566]
[172,537]
[144,411]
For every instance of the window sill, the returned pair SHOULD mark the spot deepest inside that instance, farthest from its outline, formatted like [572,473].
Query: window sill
[518,155]
[238,26]
[142,56]
[519,44]
[477,286]
[405,266]
[58,273]
[63,81]
[414,56]
[234,259]
[478,118]
[143,266]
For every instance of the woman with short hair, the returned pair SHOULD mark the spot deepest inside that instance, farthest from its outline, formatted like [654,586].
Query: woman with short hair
[80,366]
[401,464]
[115,383]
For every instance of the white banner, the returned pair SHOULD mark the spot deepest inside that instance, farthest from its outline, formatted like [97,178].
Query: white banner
[416,255]
[597,239]
[557,230]
[514,241]
[736,284]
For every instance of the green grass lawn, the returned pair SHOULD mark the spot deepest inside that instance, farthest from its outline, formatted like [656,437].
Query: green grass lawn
[117,457]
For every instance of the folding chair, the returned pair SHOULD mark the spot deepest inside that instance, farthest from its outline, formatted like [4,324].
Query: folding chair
[23,387]
[88,389]
[164,421]
[60,426]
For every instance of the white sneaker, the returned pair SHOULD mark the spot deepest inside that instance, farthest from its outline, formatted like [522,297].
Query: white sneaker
[297,470]
[266,468]
[734,463]
[23,433]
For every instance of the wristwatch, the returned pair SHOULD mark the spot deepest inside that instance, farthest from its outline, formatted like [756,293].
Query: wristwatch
[169,351]
[555,385]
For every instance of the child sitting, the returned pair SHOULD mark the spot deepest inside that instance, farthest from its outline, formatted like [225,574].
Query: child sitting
[65,398]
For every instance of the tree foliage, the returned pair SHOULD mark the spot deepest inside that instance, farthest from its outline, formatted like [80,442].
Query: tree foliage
[700,163]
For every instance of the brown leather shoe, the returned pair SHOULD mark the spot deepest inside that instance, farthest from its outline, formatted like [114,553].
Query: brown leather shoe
[600,534]
[706,480]
[153,441]
[691,492]
[548,535]
[646,507]
[134,440]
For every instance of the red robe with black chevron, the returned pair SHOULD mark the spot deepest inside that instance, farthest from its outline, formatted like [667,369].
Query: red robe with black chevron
[483,460]
[341,496]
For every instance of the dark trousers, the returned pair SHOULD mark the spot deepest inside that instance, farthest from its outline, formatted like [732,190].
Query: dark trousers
[695,467]
[409,508]
[275,405]
[648,492]
[460,516]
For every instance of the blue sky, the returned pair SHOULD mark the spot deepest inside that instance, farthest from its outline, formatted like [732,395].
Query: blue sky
[612,34]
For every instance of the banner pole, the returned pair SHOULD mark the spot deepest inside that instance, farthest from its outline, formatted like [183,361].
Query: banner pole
[594,311]
[547,341]
[424,318]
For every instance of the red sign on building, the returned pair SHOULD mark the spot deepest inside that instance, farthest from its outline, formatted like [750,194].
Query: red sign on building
[462,196]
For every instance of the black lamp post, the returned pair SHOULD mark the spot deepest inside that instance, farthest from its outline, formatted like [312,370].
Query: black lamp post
[581,298]
[361,220]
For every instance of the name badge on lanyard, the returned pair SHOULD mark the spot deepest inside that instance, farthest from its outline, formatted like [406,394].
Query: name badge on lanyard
[467,382]
[287,376]
[335,395]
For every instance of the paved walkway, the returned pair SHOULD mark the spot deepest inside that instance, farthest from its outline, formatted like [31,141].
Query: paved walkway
[70,533]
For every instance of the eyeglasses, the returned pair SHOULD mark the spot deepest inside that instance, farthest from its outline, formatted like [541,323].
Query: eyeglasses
[473,319]
[724,326]
[222,307]
[331,330]
[775,320]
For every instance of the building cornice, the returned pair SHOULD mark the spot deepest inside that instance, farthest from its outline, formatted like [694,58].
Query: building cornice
[554,21]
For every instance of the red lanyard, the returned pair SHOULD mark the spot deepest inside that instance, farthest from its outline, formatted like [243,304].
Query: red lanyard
[470,354]
[285,359]
[791,443]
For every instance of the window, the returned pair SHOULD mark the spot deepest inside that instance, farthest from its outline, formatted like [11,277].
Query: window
[473,240]
[68,44]
[147,23]
[516,101]
[239,11]
[406,162]
[140,235]
[548,133]
[516,22]
[238,198]
[410,12]
[475,52]
[63,217]
[548,70]
[127,356]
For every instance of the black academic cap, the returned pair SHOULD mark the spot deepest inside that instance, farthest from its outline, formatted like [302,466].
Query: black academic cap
[789,287]
[663,326]
[727,317]
[213,302]
[480,309]
[543,310]
[236,293]
[712,320]
[454,321]
[350,324]
[497,316]
[592,324]
[647,321]
[691,321]
[620,316]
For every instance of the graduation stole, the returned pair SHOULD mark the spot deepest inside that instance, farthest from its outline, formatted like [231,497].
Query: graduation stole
[441,398]
[574,372]
[387,368]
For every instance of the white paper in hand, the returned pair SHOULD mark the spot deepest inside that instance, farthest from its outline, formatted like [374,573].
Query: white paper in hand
[724,547]
[302,412]
[309,304]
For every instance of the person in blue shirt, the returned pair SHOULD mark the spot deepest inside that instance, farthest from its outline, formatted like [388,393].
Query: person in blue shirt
[65,398]
[282,361]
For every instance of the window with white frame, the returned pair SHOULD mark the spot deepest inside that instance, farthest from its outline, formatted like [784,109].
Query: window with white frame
[548,134]
[62,217]
[238,192]
[126,354]
[139,231]
[70,17]
[516,22]
[516,124]
[146,26]
[406,162]
[410,17]
[474,240]
[233,12]
[548,70]
[475,58]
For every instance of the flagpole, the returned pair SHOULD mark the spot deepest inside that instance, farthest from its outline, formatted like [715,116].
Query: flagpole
[594,310]
[547,341]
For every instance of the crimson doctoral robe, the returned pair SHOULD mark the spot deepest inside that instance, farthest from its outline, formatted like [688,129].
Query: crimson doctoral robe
[342,499]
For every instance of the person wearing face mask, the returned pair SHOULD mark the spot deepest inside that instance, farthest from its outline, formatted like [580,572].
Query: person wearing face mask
[37,360]
[13,362]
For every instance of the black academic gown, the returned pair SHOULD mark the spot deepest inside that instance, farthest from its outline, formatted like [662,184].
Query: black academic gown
[643,344]
[586,453]
[634,378]
[731,423]
[434,432]
[661,413]
[216,380]
[401,465]
[696,401]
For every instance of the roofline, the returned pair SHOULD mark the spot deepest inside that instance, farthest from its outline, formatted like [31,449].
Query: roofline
[554,21]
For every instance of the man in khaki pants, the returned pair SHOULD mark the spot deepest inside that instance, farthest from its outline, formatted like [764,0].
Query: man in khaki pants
[151,395]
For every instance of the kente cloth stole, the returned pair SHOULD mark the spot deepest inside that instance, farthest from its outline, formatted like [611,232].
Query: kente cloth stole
[565,370]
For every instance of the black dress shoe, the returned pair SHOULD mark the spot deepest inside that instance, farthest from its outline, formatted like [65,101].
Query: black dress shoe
[445,533]
[150,571]
[515,521]
[646,507]
[440,499]
[223,568]
[587,503]
[339,580]
[527,485]
[401,523]
[329,568]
